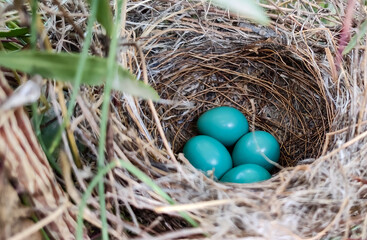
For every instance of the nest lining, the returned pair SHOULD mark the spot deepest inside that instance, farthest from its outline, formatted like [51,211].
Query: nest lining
[286,92]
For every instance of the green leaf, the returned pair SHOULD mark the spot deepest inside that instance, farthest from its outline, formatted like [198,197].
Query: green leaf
[356,38]
[246,8]
[12,24]
[11,46]
[18,32]
[63,67]
[104,15]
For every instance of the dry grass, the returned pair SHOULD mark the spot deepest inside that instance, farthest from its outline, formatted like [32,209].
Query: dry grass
[282,77]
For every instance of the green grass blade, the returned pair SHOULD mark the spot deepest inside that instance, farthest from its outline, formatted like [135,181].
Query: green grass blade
[111,73]
[34,24]
[62,67]
[356,38]
[104,15]
[11,46]
[82,61]
[99,177]
[79,73]
[140,175]
[18,32]
[12,24]
[245,8]
[36,119]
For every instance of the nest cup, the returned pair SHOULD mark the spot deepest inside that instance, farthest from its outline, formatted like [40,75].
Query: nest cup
[276,87]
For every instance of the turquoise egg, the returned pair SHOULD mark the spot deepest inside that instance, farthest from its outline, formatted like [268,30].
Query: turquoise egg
[251,147]
[246,173]
[206,153]
[226,124]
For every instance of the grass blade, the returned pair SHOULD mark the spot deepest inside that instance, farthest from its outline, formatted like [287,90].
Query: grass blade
[77,80]
[111,72]
[11,46]
[104,15]
[18,32]
[34,6]
[245,8]
[356,38]
[62,67]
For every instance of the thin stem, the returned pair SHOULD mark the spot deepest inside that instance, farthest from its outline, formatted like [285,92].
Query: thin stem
[34,24]
[86,195]
[111,74]
[79,73]
[35,117]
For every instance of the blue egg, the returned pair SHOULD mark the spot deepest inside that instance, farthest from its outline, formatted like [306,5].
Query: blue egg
[226,124]
[246,173]
[252,148]
[206,153]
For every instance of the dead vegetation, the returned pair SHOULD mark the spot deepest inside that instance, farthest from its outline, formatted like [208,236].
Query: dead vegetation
[282,77]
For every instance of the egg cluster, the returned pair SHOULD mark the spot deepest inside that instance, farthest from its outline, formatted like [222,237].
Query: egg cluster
[226,127]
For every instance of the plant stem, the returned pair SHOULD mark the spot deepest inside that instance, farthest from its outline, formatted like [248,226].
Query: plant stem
[34,24]
[79,73]
[111,74]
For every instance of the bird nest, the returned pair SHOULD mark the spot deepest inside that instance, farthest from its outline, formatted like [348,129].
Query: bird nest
[281,77]
[283,83]
[275,86]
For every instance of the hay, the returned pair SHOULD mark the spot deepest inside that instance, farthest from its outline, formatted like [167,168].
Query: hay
[280,77]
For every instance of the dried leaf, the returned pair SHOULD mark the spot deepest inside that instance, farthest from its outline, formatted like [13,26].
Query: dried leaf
[25,94]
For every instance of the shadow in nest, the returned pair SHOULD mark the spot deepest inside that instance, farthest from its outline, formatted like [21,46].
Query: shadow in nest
[279,89]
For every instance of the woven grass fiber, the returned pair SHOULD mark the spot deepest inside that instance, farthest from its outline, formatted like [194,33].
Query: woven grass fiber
[282,77]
